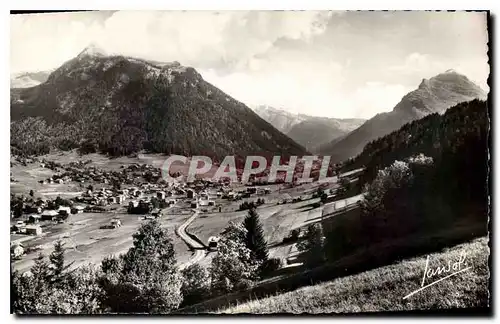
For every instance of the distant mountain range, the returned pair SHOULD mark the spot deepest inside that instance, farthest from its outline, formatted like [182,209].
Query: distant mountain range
[120,105]
[309,131]
[279,118]
[28,79]
[435,95]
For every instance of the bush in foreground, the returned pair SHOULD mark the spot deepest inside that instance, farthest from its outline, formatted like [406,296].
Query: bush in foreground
[146,278]
[233,267]
[195,284]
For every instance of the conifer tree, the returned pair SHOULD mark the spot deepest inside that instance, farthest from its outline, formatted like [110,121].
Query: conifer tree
[255,240]
[57,262]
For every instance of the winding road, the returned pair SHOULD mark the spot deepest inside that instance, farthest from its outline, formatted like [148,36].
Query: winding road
[199,249]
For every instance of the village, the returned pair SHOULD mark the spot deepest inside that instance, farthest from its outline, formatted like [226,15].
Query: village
[100,218]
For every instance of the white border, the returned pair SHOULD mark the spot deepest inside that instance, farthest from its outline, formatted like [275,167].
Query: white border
[188,5]
[255,5]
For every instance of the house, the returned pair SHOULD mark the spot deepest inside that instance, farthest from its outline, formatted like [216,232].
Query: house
[212,196]
[115,223]
[77,209]
[60,181]
[156,213]
[120,199]
[111,200]
[203,195]
[49,214]
[133,204]
[33,219]
[251,190]
[194,204]
[160,195]
[212,243]
[64,211]
[330,198]
[19,227]
[203,202]
[16,250]
[33,230]
[190,193]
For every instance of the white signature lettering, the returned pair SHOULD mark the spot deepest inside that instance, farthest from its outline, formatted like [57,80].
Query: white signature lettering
[429,273]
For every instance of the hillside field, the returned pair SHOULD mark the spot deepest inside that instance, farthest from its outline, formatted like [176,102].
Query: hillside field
[383,289]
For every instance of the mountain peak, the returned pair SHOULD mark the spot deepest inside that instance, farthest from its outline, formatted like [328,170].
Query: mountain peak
[434,95]
[424,83]
[133,104]
[92,50]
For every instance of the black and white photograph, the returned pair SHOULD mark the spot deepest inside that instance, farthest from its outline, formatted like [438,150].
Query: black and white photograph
[277,162]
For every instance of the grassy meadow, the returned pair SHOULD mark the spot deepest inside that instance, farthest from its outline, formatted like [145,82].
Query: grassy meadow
[383,289]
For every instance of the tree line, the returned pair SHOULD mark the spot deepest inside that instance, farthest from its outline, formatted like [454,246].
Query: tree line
[429,176]
[145,279]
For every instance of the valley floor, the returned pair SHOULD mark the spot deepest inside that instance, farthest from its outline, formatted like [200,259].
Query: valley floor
[384,288]
[87,242]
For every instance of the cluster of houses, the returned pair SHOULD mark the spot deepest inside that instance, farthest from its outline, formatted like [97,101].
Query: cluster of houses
[31,227]
[237,195]
[204,198]
[102,197]
[152,203]
[43,209]
[80,172]
[76,174]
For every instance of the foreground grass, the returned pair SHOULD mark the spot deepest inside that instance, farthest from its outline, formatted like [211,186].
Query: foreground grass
[383,289]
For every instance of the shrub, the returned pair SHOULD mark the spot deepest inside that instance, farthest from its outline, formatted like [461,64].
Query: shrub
[51,289]
[293,236]
[233,264]
[271,265]
[313,245]
[145,279]
[195,284]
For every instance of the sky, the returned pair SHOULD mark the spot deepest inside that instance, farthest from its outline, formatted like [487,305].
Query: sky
[351,64]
